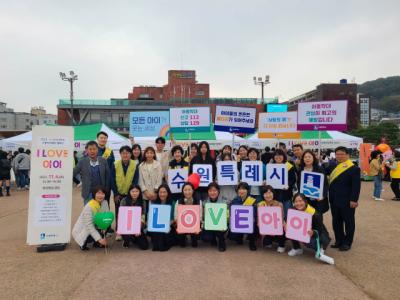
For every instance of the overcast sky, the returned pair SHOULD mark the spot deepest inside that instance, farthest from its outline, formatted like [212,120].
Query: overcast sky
[115,45]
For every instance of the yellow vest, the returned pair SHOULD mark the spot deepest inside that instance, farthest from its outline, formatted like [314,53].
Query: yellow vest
[249,201]
[94,205]
[340,168]
[289,166]
[395,173]
[124,181]
[107,153]
[310,210]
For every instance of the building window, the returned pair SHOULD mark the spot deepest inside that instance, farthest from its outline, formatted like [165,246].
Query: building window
[200,93]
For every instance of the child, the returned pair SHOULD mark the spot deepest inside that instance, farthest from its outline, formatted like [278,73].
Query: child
[318,230]
[134,198]
[211,235]
[243,190]
[188,199]
[163,241]
[268,194]
[84,231]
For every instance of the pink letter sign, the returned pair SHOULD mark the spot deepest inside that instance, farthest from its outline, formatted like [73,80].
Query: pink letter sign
[129,220]
[242,219]
[188,219]
[298,223]
[270,220]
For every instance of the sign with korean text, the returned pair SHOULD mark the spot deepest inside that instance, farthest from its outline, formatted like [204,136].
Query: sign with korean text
[252,172]
[242,219]
[270,220]
[277,176]
[205,172]
[159,218]
[50,194]
[190,119]
[148,123]
[322,115]
[188,220]
[129,219]
[278,125]
[312,184]
[215,216]
[176,179]
[235,119]
[297,226]
[227,173]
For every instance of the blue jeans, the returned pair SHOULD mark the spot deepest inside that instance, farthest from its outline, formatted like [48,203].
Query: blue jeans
[286,205]
[377,186]
[23,178]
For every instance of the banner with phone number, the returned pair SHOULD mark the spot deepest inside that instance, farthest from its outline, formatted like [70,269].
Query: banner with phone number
[193,119]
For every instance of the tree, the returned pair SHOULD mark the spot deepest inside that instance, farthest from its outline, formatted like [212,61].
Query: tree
[373,133]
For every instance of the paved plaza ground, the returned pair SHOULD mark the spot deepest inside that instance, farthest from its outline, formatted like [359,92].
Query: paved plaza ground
[371,270]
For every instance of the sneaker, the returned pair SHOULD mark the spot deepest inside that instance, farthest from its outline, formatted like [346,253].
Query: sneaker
[18,188]
[118,238]
[84,248]
[268,246]
[27,187]
[379,199]
[126,245]
[295,252]
[325,258]
[79,184]
[280,250]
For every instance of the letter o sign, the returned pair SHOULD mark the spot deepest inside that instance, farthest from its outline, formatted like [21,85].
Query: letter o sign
[188,218]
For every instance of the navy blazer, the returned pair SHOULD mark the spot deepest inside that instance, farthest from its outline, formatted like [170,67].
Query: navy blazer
[345,188]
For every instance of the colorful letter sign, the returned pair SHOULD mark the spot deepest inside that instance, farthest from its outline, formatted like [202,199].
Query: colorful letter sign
[242,219]
[215,216]
[252,172]
[50,194]
[235,119]
[270,220]
[323,115]
[278,125]
[188,220]
[277,176]
[312,184]
[159,218]
[129,219]
[176,179]
[297,226]
[205,172]
[189,119]
[148,123]
[227,173]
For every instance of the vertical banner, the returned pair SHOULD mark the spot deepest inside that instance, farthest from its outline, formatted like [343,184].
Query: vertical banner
[297,226]
[277,176]
[365,154]
[322,115]
[242,219]
[252,172]
[205,173]
[50,194]
[129,219]
[227,173]
[176,179]
[188,220]
[215,216]
[312,184]
[270,220]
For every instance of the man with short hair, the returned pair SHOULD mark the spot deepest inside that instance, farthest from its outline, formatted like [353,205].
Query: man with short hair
[94,171]
[163,157]
[103,150]
[344,191]
[22,164]
[267,156]
[298,153]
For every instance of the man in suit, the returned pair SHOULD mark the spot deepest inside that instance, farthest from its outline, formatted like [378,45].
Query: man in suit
[94,171]
[344,191]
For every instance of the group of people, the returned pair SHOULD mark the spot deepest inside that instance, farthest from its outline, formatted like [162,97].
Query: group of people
[139,178]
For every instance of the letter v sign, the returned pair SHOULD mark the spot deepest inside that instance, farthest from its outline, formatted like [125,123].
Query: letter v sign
[215,216]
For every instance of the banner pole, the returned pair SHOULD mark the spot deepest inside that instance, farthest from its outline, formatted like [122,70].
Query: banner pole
[319,145]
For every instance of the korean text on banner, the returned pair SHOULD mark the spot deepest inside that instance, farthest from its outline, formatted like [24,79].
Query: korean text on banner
[205,172]
[189,119]
[227,173]
[50,194]
[148,123]
[297,226]
[278,125]
[176,179]
[235,119]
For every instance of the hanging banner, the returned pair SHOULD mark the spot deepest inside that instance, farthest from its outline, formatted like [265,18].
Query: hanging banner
[189,119]
[322,115]
[235,119]
[278,125]
[148,123]
[50,194]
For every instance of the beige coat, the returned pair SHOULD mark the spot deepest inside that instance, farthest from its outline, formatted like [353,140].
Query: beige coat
[84,226]
[150,176]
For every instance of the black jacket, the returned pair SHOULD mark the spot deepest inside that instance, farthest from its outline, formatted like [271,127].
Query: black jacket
[208,161]
[318,225]
[284,195]
[345,188]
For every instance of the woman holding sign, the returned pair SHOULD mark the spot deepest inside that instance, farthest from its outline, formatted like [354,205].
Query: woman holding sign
[134,198]
[204,158]
[319,235]
[309,163]
[188,199]
[284,195]
[177,163]
[150,175]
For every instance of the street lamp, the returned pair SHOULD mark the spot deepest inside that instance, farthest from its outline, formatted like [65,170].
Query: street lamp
[71,80]
[262,82]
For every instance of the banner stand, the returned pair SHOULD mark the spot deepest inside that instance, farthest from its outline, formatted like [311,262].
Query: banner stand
[51,247]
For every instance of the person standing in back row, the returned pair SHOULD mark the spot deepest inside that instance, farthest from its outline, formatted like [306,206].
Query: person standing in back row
[344,191]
